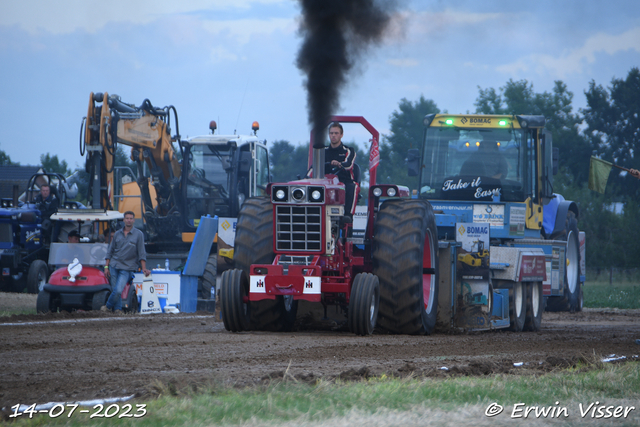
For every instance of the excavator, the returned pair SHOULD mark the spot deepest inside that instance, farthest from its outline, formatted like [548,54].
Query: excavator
[205,175]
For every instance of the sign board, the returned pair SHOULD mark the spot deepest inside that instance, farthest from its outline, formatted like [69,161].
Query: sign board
[149,303]
[227,230]
[165,283]
[493,214]
[473,236]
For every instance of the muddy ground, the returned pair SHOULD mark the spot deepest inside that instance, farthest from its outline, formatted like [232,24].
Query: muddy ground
[87,355]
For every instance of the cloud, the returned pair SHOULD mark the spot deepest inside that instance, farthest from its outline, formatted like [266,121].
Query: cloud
[67,16]
[403,62]
[573,61]
[449,20]
[243,29]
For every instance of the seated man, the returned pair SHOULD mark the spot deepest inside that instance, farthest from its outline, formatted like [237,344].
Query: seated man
[337,155]
[73,237]
[47,203]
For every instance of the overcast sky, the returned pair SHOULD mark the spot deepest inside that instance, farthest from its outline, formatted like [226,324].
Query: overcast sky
[234,62]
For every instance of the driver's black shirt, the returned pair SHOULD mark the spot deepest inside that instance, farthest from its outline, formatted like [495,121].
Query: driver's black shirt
[48,206]
[346,156]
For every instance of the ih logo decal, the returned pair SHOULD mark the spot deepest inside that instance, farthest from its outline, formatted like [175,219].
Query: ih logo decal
[260,284]
[309,284]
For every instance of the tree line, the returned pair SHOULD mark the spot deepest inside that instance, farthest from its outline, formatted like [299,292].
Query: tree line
[608,128]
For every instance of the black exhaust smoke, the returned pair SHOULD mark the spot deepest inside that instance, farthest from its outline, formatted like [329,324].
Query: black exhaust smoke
[336,33]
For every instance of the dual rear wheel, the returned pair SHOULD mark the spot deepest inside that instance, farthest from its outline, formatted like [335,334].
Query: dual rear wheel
[526,305]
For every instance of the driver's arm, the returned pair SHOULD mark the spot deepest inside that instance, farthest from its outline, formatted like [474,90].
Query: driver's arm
[349,159]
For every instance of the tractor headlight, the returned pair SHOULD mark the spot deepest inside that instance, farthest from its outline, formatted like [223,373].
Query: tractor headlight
[391,192]
[316,194]
[280,194]
[298,194]
[377,191]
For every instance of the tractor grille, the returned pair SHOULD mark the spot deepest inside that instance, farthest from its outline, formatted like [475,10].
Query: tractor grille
[6,233]
[298,228]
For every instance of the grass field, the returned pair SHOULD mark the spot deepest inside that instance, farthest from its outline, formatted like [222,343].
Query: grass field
[568,397]
[617,290]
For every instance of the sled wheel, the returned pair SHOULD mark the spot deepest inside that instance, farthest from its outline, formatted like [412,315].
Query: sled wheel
[234,299]
[517,306]
[535,306]
[364,304]
[405,260]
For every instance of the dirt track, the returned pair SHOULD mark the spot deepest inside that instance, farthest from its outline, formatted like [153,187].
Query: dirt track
[86,355]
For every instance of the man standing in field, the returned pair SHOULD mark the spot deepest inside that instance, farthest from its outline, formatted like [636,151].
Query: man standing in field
[125,252]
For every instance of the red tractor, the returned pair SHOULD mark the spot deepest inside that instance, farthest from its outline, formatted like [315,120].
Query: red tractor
[295,245]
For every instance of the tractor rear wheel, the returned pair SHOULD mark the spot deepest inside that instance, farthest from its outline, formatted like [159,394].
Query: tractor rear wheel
[535,306]
[254,234]
[37,277]
[254,245]
[364,304]
[570,301]
[517,307]
[234,293]
[99,299]
[405,260]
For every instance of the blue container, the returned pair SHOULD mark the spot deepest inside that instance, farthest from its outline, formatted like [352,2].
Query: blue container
[188,294]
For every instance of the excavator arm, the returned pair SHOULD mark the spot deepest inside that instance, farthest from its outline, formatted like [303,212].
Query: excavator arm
[146,130]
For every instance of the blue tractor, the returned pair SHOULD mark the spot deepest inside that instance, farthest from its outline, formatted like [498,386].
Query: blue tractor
[25,235]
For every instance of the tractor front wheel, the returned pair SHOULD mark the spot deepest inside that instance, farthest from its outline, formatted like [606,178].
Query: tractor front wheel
[234,300]
[364,304]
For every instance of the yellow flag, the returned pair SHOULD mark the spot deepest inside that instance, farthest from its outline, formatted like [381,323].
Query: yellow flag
[598,174]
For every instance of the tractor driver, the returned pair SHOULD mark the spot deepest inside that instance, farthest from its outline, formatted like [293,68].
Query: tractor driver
[488,161]
[47,204]
[339,156]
